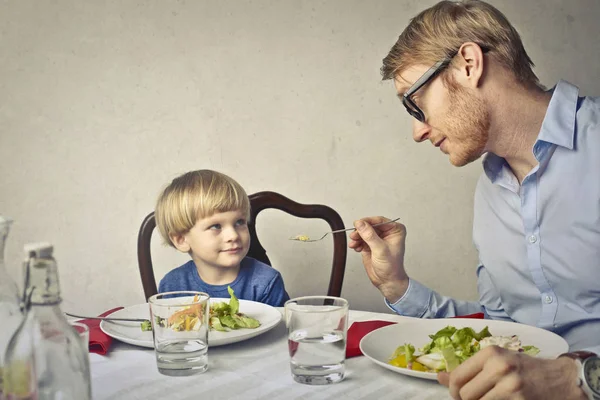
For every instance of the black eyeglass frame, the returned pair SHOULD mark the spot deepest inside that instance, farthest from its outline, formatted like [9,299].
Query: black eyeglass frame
[411,107]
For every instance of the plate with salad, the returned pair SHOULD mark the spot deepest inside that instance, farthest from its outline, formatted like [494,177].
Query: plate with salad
[231,321]
[423,347]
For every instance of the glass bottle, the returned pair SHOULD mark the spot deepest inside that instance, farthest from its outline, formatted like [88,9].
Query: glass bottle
[46,356]
[10,312]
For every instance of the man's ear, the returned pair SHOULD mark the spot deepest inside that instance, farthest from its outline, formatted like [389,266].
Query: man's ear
[470,62]
[180,243]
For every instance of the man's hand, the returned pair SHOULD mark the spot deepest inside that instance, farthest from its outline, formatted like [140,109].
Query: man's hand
[496,373]
[382,251]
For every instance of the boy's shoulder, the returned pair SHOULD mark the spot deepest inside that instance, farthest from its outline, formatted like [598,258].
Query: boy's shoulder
[258,268]
[179,278]
[181,271]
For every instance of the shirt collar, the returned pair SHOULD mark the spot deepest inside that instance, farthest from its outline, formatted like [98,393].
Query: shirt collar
[557,128]
[559,123]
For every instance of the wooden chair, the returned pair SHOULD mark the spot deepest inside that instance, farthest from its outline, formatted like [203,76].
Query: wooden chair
[258,202]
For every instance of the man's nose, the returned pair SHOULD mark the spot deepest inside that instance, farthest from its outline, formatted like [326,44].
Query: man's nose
[421,130]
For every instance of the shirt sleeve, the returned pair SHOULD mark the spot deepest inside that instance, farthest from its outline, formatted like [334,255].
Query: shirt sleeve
[421,302]
[275,294]
[593,349]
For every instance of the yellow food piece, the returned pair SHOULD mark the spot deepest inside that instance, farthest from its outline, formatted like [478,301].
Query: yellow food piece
[417,366]
[303,238]
[400,361]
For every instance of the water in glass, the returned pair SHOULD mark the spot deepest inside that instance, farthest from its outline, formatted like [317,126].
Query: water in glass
[182,357]
[317,359]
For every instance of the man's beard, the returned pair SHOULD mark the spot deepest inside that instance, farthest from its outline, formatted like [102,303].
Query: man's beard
[467,125]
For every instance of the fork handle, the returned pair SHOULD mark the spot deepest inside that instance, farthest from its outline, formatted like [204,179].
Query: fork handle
[106,318]
[352,229]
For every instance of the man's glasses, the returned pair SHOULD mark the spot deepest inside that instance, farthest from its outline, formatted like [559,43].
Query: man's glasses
[412,108]
[431,73]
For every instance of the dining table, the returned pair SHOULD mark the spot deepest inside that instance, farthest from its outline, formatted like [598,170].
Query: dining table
[256,368]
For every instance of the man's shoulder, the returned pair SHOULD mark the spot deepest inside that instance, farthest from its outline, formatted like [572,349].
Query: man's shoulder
[588,112]
[487,193]
[484,184]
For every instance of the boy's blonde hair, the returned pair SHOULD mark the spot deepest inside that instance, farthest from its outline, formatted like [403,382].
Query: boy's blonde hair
[195,195]
[439,31]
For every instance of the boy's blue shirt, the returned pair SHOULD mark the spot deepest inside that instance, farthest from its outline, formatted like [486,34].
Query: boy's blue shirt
[256,281]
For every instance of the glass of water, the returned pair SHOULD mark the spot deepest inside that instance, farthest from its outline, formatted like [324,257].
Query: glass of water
[180,331]
[317,328]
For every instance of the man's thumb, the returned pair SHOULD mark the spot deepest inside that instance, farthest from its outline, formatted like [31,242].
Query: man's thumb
[368,234]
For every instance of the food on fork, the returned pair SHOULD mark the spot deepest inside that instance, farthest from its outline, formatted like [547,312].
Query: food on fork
[223,317]
[449,347]
[302,238]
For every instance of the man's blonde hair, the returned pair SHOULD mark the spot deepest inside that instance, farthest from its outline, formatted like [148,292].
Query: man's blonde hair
[195,195]
[438,32]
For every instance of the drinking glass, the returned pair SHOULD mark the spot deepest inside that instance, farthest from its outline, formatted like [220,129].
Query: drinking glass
[317,328]
[180,330]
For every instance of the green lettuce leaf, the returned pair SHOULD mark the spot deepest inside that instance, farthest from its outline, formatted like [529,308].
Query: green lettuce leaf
[450,358]
[409,352]
[234,304]
[531,350]
[228,321]
[446,332]
[215,323]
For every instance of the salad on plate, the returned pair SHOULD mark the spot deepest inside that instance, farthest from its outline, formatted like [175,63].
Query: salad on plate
[449,347]
[223,317]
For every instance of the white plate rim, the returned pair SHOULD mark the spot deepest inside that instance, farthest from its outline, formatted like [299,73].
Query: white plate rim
[378,336]
[272,315]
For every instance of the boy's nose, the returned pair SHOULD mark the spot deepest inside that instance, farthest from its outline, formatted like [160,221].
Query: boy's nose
[231,234]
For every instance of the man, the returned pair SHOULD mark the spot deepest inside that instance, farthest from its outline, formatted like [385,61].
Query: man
[462,72]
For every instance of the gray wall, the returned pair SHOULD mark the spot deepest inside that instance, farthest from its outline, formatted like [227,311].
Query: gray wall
[104,102]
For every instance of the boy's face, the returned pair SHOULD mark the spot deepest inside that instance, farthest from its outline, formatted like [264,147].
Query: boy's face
[221,240]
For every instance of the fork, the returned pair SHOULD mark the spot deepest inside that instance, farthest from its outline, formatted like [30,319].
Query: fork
[304,238]
[107,318]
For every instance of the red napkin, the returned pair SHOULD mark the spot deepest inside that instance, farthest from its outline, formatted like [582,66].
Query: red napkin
[99,341]
[478,315]
[359,329]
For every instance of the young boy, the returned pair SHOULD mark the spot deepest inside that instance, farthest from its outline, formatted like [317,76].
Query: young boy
[205,214]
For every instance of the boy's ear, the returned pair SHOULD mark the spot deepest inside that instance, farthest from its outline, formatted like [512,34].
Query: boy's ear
[180,243]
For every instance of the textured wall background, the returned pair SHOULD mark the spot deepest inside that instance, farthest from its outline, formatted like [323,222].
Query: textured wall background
[102,103]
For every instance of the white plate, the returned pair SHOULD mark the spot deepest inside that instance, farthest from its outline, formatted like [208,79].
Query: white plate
[379,345]
[131,332]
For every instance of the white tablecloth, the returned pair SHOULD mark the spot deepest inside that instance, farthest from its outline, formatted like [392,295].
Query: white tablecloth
[257,368]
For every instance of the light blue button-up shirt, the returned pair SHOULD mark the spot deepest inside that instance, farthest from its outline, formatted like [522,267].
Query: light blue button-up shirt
[538,242]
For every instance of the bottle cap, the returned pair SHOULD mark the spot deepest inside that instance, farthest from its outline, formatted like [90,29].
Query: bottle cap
[40,249]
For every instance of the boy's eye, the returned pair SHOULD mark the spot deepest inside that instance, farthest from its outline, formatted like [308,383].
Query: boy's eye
[215,226]
[240,222]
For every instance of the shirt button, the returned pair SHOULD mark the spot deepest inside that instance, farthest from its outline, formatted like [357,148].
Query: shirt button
[548,299]
[532,239]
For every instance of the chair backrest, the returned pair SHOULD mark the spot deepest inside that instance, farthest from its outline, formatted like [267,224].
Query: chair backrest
[258,202]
